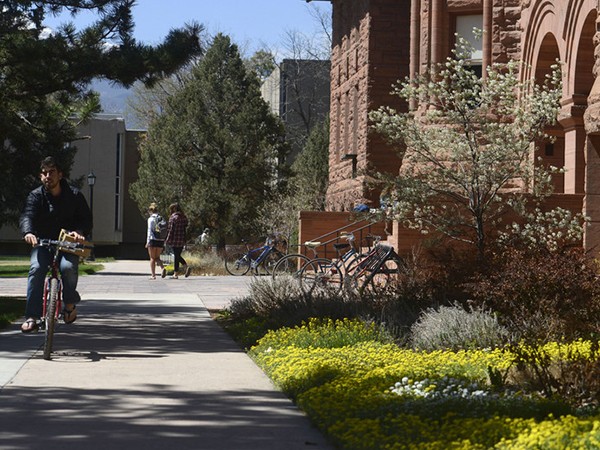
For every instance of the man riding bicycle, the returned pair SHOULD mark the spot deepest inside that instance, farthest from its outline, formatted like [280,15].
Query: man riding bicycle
[49,208]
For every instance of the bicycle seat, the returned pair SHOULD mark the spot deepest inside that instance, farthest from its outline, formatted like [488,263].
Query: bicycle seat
[341,245]
[312,244]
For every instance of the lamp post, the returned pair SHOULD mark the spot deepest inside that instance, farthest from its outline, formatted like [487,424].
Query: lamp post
[91,179]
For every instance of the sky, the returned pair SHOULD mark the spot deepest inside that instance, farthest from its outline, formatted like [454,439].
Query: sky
[250,23]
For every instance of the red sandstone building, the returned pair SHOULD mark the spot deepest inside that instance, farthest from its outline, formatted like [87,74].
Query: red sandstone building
[377,42]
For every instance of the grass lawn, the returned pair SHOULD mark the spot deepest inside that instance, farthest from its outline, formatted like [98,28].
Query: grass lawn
[19,267]
[11,308]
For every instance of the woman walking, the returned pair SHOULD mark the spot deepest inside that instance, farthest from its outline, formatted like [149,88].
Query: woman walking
[153,243]
[176,237]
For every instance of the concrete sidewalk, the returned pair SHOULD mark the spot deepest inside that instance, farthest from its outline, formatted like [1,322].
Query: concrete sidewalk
[146,367]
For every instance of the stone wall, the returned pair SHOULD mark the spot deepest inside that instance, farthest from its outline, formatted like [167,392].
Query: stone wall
[369,54]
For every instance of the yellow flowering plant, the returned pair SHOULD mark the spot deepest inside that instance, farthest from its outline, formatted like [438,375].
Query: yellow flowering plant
[365,393]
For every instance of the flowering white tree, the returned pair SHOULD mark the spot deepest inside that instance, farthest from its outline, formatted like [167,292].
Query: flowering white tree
[467,150]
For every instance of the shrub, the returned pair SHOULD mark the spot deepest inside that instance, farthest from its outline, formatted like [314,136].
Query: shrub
[542,296]
[426,281]
[454,328]
[205,263]
[570,371]
[328,333]
[279,302]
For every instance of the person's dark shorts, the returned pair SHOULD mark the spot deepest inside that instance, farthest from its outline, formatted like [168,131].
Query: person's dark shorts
[156,243]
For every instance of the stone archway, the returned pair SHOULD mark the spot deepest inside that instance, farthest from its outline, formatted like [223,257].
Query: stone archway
[551,153]
[573,25]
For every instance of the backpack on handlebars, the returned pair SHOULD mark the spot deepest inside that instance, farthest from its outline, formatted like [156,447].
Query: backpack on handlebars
[83,252]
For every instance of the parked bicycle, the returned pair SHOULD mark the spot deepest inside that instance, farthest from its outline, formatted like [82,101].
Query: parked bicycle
[352,271]
[375,271]
[292,263]
[261,260]
[52,299]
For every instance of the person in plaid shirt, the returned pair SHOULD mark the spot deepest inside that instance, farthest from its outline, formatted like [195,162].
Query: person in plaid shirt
[178,222]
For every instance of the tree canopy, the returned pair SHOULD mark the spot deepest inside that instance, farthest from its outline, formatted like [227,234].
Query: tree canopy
[45,77]
[215,149]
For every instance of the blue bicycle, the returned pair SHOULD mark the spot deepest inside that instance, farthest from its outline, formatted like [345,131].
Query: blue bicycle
[260,260]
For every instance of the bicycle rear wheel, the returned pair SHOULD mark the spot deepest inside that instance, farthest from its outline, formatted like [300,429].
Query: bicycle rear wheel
[321,275]
[50,317]
[386,275]
[237,263]
[290,265]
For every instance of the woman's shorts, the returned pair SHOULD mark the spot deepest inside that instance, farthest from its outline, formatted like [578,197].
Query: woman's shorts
[156,243]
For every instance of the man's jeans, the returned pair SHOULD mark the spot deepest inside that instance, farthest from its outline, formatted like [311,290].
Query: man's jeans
[41,258]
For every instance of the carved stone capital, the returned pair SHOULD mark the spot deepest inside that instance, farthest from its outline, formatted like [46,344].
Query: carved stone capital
[591,117]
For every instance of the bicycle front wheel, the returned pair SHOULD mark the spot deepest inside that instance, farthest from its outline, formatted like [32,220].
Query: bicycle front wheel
[290,265]
[50,318]
[268,264]
[321,275]
[237,263]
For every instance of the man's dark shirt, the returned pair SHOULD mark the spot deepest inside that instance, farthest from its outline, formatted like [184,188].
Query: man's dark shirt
[45,215]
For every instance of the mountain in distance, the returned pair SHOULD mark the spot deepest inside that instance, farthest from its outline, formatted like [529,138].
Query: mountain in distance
[113,97]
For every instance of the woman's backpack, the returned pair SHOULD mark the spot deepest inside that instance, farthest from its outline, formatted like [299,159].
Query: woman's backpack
[160,228]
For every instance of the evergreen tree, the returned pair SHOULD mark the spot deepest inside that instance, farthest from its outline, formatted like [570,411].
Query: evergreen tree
[45,77]
[215,149]
[311,170]
[306,188]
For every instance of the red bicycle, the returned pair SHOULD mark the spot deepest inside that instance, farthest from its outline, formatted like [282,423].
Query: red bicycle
[52,300]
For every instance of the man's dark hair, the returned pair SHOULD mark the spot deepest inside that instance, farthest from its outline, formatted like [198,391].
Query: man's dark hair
[50,162]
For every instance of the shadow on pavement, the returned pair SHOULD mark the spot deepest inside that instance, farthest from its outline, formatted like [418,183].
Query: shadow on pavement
[135,328]
[167,418]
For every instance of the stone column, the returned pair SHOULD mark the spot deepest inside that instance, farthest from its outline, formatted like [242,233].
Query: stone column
[437,31]
[592,113]
[571,120]
[591,201]
[415,43]
[487,35]
[415,37]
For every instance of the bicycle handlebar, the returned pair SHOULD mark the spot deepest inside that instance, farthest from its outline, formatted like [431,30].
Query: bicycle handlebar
[62,244]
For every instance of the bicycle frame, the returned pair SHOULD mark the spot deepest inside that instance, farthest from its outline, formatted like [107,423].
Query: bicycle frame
[374,264]
[264,251]
[252,259]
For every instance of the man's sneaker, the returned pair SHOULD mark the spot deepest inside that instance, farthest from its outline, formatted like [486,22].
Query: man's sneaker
[163,273]
[188,270]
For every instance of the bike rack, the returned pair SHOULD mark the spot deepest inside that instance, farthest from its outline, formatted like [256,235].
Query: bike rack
[358,232]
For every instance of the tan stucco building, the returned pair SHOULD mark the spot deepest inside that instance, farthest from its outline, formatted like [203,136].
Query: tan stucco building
[110,151]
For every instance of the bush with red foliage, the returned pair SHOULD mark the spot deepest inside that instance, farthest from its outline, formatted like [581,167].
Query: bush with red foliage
[541,295]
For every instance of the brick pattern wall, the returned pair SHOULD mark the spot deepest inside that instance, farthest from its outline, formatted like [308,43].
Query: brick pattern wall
[315,224]
[370,52]
[506,30]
